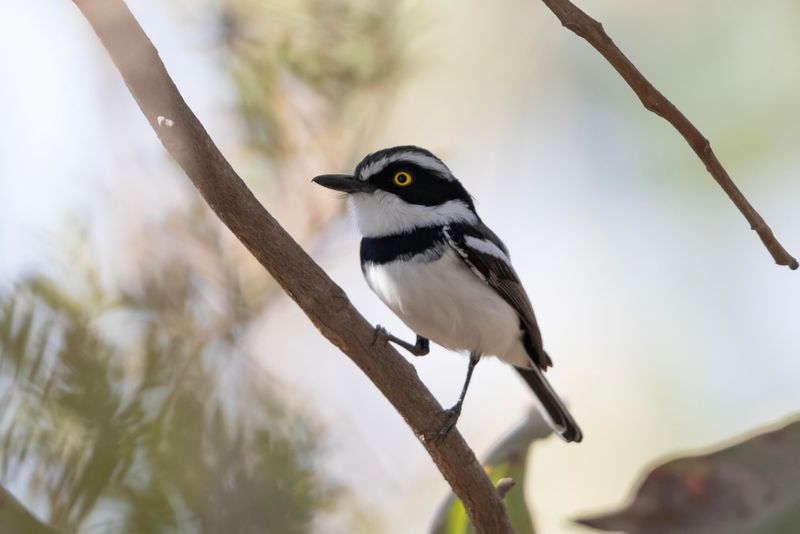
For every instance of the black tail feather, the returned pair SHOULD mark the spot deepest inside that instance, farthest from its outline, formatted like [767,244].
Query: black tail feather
[553,410]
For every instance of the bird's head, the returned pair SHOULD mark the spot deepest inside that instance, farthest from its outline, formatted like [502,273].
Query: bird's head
[396,190]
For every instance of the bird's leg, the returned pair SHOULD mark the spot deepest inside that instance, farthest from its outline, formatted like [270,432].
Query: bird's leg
[452,414]
[420,348]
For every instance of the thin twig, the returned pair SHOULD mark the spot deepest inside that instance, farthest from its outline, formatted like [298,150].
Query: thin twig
[592,31]
[303,280]
[504,485]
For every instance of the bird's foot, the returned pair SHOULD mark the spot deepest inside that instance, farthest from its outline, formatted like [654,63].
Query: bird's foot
[420,348]
[450,419]
[381,335]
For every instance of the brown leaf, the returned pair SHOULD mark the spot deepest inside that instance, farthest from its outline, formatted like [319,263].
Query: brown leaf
[753,486]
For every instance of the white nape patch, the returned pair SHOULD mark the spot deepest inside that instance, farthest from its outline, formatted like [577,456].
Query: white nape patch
[423,160]
[487,247]
[380,213]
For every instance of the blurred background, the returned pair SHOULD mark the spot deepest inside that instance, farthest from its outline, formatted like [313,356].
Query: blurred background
[153,377]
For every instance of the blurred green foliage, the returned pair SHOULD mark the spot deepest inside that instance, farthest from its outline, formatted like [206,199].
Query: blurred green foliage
[292,59]
[129,402]
[508,459]
[14,517]
[137,409]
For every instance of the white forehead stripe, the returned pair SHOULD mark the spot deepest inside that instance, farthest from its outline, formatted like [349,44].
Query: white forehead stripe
[487,247]
[423,160]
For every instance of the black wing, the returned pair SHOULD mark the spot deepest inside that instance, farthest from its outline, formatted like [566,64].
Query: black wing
[500,275]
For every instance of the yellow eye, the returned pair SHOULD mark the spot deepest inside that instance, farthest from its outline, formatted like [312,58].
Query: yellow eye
[402,179]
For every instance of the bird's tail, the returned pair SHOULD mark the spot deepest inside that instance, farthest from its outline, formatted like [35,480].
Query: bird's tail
[553,410]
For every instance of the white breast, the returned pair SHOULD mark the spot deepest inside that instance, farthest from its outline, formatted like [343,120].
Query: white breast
[445,302]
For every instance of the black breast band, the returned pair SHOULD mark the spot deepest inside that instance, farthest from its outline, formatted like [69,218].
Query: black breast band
[386,249]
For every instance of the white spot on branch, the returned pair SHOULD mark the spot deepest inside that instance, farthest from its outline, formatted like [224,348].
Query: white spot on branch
[164,121]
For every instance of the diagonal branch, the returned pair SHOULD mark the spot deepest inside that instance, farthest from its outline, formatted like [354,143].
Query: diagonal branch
[322,300]
[585,26]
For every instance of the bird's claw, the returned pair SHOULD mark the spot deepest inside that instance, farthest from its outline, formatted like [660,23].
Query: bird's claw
[380,333]
[451,416]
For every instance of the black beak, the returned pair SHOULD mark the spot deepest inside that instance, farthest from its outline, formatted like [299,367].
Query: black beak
[344,183]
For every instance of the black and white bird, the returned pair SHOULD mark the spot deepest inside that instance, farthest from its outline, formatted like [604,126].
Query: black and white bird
[428,256]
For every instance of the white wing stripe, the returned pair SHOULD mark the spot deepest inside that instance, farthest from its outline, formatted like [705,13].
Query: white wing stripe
[486,247]
[463,253]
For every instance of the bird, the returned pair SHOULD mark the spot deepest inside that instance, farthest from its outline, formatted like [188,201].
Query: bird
[430,258]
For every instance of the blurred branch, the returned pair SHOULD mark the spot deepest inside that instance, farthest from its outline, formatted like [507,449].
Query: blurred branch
[585,26]
[323,301]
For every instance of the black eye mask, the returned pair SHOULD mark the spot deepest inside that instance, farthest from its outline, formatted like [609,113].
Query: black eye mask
[426,189]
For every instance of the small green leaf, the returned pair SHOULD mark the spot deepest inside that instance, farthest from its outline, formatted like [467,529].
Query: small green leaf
[507,459]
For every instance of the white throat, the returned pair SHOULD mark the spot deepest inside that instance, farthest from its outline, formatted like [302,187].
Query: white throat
[380,213]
